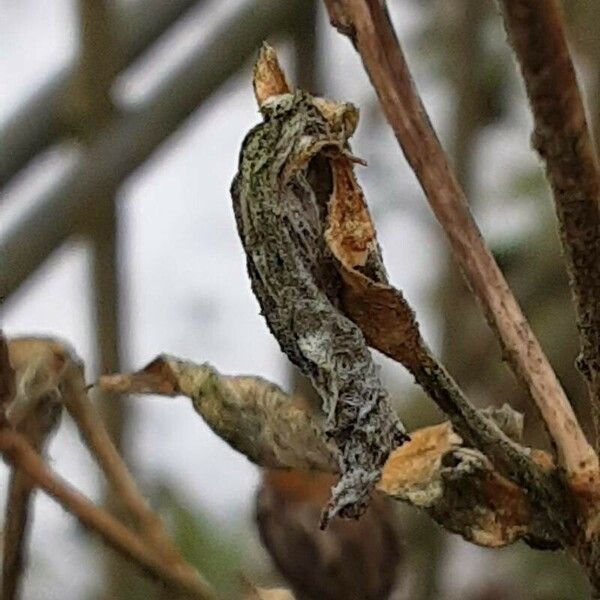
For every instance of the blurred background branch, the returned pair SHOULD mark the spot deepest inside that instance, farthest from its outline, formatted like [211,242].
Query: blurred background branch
[464,66]
[78,105]
[48,376]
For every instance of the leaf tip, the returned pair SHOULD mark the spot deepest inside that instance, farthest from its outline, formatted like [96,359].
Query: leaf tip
[268,78]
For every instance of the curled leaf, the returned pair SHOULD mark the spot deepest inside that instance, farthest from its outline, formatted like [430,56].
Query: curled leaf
[382,313]
[252,415]
[458,487]
[280,197]
[38,365]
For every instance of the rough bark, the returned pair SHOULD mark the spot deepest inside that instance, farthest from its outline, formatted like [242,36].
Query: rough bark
[562,138]
[367,24]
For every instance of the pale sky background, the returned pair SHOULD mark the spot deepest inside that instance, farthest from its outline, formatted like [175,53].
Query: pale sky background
[183,280]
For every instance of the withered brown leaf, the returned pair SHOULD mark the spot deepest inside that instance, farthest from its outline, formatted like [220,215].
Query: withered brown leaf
[281,197]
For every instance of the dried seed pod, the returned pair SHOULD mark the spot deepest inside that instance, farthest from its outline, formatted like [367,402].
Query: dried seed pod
[281,199]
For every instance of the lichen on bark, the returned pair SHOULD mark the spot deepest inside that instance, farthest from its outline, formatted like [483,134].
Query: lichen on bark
[281,197]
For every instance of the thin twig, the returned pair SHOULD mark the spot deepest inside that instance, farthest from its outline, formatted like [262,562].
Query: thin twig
[19,453]
[101,446]
[46,368]
[7,379]
[562,139]
[368,25]
[17,504]
[36,427]
[30,407]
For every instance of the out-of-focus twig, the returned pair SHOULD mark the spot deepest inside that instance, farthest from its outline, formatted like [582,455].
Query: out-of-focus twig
[36,428]
[18,452]
[48,374]
[7,379]
[367,24]
[14,522]
[562,139]
[36,419]
[100,444]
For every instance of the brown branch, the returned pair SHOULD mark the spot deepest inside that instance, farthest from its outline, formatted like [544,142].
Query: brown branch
[7,380]
[36,420]
[101,446]
[19,453]
[562,139]
[17,524]
[367,23]
[36,428]
[47,372]
[457,486]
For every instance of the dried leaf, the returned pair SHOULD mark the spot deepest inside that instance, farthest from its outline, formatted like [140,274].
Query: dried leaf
[417,461]
[380,310]
[38,364]
[280,198]
[269,78]
[458,487]
[254,416]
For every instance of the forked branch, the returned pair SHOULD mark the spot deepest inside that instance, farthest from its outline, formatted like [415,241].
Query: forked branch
[47,374]
[96,437]
[19,453]
[368,25]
